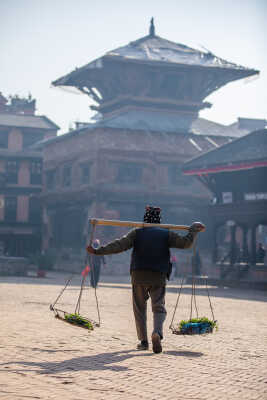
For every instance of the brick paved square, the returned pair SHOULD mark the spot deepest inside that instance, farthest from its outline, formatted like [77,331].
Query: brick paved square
[44,358]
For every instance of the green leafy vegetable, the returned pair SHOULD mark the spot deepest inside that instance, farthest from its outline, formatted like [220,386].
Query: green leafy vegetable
[77,319]
[205,320]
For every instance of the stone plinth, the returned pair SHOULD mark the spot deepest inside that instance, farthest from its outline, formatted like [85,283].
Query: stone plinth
[13,266]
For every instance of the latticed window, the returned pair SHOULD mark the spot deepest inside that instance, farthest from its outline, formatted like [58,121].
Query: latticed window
[34,210]
[12,171]
[129,173]
[10,209]
[85,173]
[66,176]
[51,179]
[3,139]
[30,138]
[36,172]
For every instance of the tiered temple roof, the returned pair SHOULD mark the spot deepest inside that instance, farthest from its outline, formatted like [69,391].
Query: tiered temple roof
[153,73]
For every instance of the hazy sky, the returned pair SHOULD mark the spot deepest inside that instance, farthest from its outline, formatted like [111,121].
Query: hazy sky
[42,40]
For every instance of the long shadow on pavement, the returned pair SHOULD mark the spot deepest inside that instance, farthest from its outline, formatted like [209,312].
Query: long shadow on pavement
[59,279]
[102,361]
[214,291]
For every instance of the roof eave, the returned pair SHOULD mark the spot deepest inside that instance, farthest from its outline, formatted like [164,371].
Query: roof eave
[188,164]
[68,80]
[169,63]
[53,125]
[226,168]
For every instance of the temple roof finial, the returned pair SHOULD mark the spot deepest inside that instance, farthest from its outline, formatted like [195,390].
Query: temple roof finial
[152,27]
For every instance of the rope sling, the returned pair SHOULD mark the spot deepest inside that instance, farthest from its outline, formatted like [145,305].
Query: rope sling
[75,318]
[193,325]
[61,314]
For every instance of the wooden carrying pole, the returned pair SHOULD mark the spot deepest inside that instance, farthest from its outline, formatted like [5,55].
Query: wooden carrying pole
[96,221]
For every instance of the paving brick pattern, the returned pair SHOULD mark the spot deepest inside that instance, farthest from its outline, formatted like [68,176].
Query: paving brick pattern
[44,358]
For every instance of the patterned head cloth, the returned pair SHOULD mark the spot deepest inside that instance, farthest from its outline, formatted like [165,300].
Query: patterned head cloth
[152,215]
[96,243]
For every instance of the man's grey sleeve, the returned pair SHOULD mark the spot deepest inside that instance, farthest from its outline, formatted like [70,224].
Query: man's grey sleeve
[181,242]
[119,245]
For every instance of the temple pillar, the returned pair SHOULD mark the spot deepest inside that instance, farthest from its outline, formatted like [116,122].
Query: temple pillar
[253,245]
[245,245]
[233,248]
[215,244]
[47,230]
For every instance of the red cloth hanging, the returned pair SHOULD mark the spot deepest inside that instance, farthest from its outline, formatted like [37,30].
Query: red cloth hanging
[86,270]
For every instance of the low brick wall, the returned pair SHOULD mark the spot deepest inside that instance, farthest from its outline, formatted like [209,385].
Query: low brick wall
[258,273]
[13,266]
[239,275]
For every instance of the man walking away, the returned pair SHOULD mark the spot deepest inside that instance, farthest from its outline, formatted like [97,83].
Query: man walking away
[150,267]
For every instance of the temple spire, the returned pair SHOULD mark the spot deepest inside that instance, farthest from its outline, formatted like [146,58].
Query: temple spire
[152,27]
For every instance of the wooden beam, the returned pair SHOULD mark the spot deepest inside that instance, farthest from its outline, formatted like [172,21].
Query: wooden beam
[96,221]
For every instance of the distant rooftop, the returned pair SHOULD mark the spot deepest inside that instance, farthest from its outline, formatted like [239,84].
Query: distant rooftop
[17,105]
[19,112]
[164,122]
[154,121]
[246,125]
[251,148]
[27,121]
[104,137]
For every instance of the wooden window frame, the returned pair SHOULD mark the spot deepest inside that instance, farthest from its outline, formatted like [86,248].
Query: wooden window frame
[11,206]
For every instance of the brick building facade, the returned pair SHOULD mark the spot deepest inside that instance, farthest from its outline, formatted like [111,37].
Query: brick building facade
[21,175]
[101,172]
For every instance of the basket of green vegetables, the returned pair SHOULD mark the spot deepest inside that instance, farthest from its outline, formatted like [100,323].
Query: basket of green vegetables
[195,326]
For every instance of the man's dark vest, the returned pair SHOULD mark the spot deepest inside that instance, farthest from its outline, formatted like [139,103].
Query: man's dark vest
[151,250]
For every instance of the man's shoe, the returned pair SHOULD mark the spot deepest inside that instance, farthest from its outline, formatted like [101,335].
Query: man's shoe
[143,345]
[156,343]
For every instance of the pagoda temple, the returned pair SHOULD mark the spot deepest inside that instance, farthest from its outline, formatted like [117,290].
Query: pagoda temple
[153,83]
[147,96]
